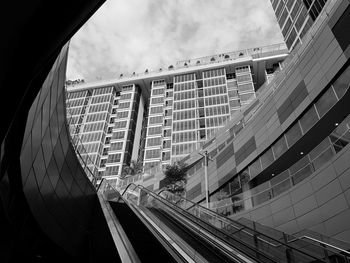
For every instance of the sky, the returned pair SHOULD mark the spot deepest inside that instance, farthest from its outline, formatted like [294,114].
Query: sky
[126,36]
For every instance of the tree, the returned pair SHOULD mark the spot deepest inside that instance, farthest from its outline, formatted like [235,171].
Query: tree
[133,169]
[175,178]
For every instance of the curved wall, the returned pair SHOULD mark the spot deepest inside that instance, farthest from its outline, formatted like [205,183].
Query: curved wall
[49,210]
[56,188]
[320,203]
[310,69]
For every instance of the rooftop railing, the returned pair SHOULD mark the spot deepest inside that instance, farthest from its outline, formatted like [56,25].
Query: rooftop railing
[257,52]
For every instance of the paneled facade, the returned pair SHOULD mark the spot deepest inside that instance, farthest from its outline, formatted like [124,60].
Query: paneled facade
[283,160]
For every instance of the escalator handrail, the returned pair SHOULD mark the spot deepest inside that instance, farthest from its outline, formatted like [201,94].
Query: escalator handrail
[243,226]
[171,206]
[347,253]
[146,225]
[247,227]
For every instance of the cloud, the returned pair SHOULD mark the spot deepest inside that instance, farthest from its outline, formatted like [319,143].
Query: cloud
[126,36]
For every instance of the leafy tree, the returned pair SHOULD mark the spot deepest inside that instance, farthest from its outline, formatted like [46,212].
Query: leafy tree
[175,178]
[133,169]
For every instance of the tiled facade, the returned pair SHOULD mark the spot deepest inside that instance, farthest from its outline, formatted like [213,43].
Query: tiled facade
[295,17]
[278,162]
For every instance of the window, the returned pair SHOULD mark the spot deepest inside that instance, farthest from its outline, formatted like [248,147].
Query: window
[156,120]
[116,146]
[126,96]
[166,156]
[156,110]
[309,119]
[152,154]
[293,134]
[157,92]
[246,87]
[128,88]
[341,85]
[279,147]
[166,144]
[244,78]
[118,135]
[159,100]
[124,105]
[155,130]
[120,124]
[112,170]
[114,158]
[326,102]
[122,114]
[154,141]
[267,158]
[255,168]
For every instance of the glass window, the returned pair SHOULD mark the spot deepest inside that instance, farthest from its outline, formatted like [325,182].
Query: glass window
[152,153]
[114,158]
[154,141]
[341,85]
[122,114]
[309,119]
[324,103]
[118,135]
[243,78]
[279,147]
[267,158]
[323,158]
[320,148]
[125,96]
[293,134]
[255,168]
[124,105]
[302,174]
[155,110]
[120,124]
[116,146]
[157,119]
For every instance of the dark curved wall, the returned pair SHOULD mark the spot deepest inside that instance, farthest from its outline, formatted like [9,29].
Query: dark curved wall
[49,210]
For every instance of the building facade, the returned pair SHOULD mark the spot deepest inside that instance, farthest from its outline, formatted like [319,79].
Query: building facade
[105,121]
[284,160]
[295,17]
[160,117]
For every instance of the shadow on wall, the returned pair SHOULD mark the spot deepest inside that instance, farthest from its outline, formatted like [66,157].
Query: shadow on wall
[49,210]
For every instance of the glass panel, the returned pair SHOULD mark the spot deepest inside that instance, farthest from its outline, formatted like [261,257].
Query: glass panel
[327,100]
[340,143]
[279,178]
[255,168]
[281,187]
[261,198]
[280,147]
[293,134]
[319,148]
[309,119]
[342,83]
[323,158]
[267,158]
[302,174]
[299,164]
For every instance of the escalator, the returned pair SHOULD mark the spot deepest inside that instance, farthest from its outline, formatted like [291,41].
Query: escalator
[144,242]
[196,234]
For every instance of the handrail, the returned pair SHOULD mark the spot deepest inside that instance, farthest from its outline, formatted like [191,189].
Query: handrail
[227,219]
[254,230]
[148,225]
[323,243]
[347,254]
[170,205]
